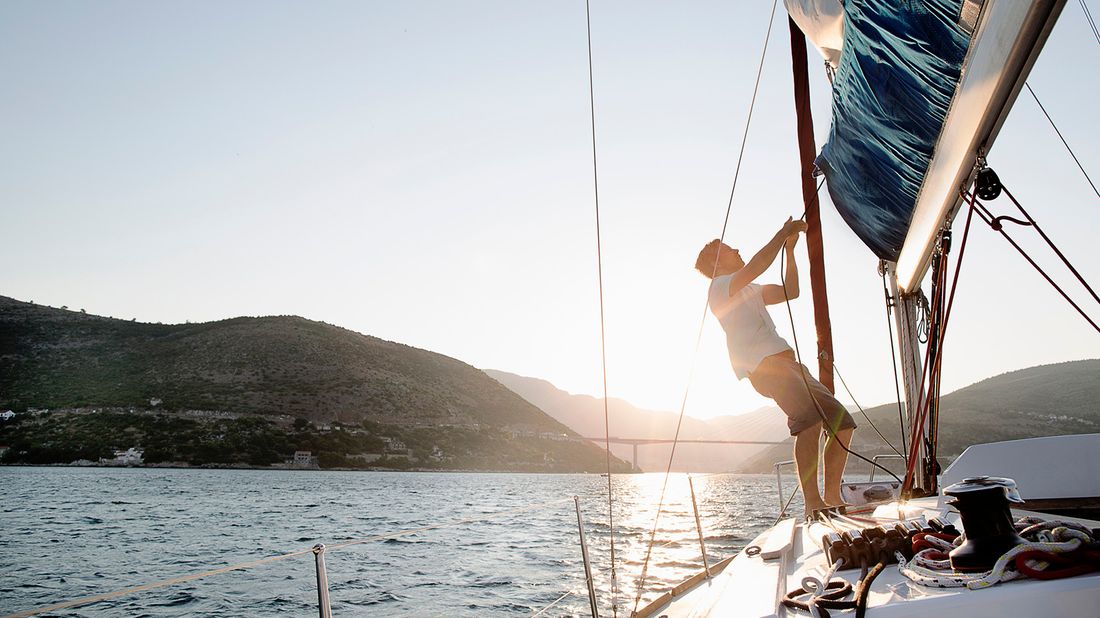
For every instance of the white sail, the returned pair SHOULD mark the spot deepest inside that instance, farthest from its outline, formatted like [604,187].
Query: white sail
[822,21]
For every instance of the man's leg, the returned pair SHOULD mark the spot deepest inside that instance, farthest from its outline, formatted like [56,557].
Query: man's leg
[836,456]
[805,461]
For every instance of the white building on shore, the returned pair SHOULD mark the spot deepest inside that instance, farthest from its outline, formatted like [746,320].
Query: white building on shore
[130,457]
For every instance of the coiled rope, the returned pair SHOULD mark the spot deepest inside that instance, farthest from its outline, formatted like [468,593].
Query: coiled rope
[1067,543]
[255,563]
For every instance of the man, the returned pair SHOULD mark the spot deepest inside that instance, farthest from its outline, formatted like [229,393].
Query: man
[758,353]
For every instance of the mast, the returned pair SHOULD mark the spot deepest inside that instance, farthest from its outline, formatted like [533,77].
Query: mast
[807,151]
[906,315]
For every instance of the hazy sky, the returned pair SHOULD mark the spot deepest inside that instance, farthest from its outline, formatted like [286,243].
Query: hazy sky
[421,172]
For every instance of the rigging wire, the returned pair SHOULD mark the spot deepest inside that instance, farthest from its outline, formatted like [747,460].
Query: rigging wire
[1088,17]
[809,391]
[1050,243]
[932,365]
[894,359]
[864,412]
[988,217]
[699,337]
[603,340]
[929,368]
[1064,142]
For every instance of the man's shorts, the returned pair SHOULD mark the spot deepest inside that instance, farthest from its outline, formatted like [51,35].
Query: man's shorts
[780,377]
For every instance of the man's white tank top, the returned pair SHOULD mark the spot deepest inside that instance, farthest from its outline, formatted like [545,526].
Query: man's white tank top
[750,332]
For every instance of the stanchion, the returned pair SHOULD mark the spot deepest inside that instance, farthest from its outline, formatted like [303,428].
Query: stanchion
[698,527]
[587,565]
[322,582]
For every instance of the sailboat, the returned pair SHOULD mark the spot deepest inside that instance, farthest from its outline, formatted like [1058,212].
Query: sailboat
[919,94]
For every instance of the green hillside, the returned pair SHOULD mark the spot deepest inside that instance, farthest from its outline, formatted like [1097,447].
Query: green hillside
[1047,400]
[277,369]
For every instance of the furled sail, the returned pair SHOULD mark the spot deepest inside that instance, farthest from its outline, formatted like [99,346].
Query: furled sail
[919,92]
[892,89]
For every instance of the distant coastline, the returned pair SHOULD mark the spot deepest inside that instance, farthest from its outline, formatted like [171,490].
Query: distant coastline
[291,469]
[97,437]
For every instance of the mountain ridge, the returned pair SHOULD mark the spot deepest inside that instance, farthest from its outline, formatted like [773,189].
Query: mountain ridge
[1044,400]
[585,415]
[275,367]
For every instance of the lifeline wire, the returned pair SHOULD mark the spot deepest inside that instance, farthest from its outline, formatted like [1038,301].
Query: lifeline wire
[247,565]
[603,341]
[702,322]
[1064,142]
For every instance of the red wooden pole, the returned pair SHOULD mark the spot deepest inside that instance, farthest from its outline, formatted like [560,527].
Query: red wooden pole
[807,151]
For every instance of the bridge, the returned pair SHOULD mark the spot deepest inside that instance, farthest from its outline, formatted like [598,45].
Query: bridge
[636,442]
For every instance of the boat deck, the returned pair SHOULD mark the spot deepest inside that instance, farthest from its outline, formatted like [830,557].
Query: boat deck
[754,585]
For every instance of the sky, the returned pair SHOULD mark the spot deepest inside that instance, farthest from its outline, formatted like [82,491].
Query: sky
[423,172]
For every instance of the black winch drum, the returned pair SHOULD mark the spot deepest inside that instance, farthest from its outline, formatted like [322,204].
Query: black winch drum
[983,505]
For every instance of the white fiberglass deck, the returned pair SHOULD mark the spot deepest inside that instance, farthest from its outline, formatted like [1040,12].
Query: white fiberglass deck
[754,586]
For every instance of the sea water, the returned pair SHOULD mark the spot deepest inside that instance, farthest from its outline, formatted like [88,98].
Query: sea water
[68,533]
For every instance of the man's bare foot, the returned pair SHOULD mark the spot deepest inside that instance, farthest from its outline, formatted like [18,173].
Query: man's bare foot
[815,505]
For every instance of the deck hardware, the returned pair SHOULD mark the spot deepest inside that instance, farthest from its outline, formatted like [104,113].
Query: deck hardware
[587,565]
[779,485]
[875,459]
[325,610]
[698,527]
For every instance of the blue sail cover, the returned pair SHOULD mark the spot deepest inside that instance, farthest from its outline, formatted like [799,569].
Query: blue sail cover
[898,71]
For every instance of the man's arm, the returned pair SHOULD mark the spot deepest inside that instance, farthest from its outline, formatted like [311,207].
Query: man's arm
[765,256]
[775,294]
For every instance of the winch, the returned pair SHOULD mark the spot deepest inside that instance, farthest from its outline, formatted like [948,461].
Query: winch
[983,505]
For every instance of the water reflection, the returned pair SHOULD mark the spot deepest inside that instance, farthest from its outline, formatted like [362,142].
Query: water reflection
[72,532]
[733,509]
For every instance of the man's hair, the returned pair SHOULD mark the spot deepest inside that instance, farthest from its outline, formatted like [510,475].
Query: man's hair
[705,263]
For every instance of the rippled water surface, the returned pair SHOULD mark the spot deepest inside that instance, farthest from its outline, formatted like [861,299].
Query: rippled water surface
[74,532]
